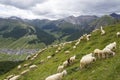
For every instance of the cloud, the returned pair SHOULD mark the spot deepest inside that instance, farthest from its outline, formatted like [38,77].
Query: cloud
[23,4]
[55,9]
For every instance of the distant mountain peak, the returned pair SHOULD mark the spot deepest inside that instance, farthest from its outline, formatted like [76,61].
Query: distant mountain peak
[115,15]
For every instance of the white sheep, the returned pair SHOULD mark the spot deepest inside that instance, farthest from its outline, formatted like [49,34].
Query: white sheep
[87,59]
[60,68]
[95,30]
[88,37]
[28,57]
[118,34]
[27,64]
[19,67]
[10,76]
[102,31]
[24,72]
[33,66]
[74,47]
[15,77]
[111,46]
[108,52]
[99,53]
[67,52]
[48,57]
[65,63]
[57,76]
[77,43]
[72,59]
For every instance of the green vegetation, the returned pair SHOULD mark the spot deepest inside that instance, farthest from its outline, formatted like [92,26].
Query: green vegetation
[106,69]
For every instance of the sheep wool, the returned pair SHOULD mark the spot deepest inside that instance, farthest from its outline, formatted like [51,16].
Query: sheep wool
[57,76]
[85,60]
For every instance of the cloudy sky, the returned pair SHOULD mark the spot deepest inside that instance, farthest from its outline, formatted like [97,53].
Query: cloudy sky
[55,9]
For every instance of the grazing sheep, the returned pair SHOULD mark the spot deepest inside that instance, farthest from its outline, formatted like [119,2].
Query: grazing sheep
[95,30]
[59,49]
[72,59]
[67,52]
[42,61]
[81,38]
[108,52]
[99,53]
[33,66]
[15,77]
[8,77]
[88,37]
[57,76]
[111,46]
[60,68]
[102,31]
[48,57]
[65,63]
[77,43]
[24,72]
[27,64]
[74,47]
[118,34]
[19,67]
[28,57]
[85,60]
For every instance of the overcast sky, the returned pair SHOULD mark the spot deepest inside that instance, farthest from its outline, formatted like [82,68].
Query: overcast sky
[55,9]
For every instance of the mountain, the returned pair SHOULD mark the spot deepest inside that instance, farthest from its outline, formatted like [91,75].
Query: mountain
[36,33]
[80,19]
[103,21]
[116,16]
[68,27]
[101,69]
[13,31]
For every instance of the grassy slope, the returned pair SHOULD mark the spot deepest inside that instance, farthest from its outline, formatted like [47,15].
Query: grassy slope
[22,42]
[106,69]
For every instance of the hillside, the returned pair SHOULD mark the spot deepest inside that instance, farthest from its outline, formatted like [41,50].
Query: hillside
[105,69]
[17,34]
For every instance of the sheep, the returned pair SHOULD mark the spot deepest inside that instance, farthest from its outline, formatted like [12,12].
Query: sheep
[27,64]
[108,52]
[65,63]
[28,57]
[15,77]
[111,46]
[88,37]
[72,59]
[102,31]
[99,53]
[8,77]
[77,43]
[57,76]
[67,52]
[60,68]
[118,34]
[24,72]
[42,61]
[74,47]
[95,30]
[48,57]
[56,51]
[33,66]
[19,67]
[85,60]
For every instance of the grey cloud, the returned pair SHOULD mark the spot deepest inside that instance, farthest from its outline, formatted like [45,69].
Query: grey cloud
[23,4]
[103,7]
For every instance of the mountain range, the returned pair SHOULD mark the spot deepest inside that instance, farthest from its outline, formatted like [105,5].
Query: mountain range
[38,33]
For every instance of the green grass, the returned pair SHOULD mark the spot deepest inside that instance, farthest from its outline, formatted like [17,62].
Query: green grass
[106,69]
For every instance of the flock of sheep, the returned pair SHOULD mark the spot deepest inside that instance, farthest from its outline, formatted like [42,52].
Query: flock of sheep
[84,61]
